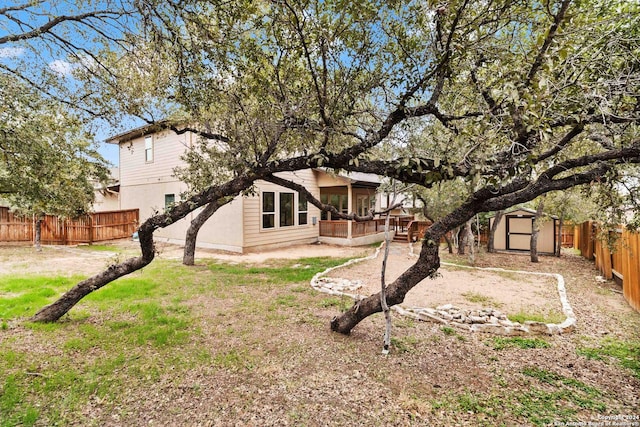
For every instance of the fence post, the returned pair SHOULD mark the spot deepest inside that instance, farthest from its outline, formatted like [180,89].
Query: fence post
[91,233]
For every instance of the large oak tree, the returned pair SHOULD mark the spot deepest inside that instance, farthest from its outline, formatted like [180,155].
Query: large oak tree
[517,99]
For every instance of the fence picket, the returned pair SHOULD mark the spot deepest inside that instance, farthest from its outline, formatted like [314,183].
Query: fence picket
[94,227]
[625,261]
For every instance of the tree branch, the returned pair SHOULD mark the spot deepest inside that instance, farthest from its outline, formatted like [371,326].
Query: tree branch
[557,21]
[48,26]
[326,207]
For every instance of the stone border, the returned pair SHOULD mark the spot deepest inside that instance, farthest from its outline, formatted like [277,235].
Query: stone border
[485,320]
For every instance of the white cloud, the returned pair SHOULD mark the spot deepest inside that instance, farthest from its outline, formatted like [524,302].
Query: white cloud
[61,67]
[11,52]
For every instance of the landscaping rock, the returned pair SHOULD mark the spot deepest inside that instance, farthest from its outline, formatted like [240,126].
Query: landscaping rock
[487,319]
[537,327]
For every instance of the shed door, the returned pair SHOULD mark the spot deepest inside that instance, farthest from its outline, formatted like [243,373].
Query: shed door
[519,228]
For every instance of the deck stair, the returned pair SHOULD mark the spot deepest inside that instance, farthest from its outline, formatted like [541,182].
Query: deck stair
[401,237]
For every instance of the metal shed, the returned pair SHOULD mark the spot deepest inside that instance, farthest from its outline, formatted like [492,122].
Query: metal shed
[515,228]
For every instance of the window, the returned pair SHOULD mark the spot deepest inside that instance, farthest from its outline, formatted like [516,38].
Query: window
[338,201]
[268,209]
[279,209]
[148,149]
[169,200]
[324,199]
[362,204]
[286,209]
[384,201]
[302,210]
[344,204]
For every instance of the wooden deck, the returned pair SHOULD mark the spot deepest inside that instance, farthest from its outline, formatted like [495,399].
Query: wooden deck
[340,228]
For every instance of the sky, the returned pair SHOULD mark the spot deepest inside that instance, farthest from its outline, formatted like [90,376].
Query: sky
[110,152]
[33,56]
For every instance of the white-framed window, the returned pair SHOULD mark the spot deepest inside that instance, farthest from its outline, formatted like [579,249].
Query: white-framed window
[362,204]
[286,209]
[303,210]
[148,148]
[280,210]
[384,200]
[268,209]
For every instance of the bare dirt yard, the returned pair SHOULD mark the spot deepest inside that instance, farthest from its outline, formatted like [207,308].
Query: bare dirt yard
[466,288]
[83,260]
[257,351]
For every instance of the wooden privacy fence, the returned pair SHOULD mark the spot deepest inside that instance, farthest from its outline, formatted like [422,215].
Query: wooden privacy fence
[417,229]
[89,228]
[566,236]
[15,228]
[621,262]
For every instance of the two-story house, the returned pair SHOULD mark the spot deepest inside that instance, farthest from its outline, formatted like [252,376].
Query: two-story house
[274,216]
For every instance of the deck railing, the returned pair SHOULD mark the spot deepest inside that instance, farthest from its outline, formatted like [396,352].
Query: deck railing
[339,228]
[334,229]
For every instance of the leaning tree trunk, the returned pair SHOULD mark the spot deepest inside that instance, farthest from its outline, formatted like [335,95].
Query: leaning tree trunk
[216,195]
[492,232]
[426,266]
[38,236]
[55,311]
[535,231]
[191,236]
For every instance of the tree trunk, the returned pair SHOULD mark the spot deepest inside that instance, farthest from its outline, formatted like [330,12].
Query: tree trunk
[559,242]
[468,240]
[535,229]
[462,240]
[478,236]
[218,196]
[449,245]
[55,311]
[492,232]
[383,289]
[191,236]
[426,266]
[38,236]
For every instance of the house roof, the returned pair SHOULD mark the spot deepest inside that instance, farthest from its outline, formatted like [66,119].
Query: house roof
[528,210]
[360,179]
[136,132]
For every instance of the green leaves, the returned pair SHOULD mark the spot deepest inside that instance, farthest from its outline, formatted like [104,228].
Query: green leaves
[48,163]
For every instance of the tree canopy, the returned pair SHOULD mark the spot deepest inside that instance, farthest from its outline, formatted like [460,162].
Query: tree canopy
[48,162]
[516,99]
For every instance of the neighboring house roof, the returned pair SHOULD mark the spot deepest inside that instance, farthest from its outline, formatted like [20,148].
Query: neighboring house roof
[112,184]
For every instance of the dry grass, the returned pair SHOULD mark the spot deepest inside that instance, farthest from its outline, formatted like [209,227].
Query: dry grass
[258,351]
